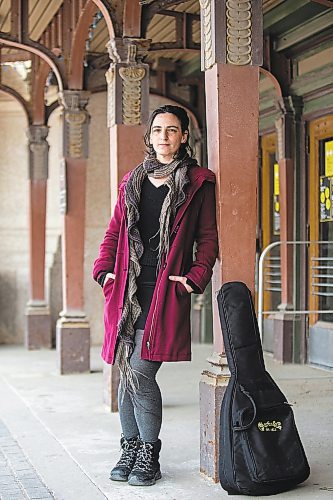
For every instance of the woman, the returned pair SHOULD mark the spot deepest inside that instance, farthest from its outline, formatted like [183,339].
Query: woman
[147,272]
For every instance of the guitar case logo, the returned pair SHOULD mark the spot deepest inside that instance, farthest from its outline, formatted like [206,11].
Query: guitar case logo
[268,426]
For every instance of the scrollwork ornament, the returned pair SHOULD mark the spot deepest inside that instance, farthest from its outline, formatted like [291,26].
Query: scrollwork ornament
[239,32]
[110,79]
[75,133]
[132,77]
[206,8]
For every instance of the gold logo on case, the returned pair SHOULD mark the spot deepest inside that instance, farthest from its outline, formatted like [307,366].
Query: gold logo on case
[270,426]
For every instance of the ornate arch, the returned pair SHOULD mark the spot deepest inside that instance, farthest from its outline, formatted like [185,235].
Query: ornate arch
[13,93]
[75,76]
[111,17]
[273,80]
[39,53]
[38,109]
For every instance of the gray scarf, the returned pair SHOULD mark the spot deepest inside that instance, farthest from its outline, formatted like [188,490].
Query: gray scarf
[176,182]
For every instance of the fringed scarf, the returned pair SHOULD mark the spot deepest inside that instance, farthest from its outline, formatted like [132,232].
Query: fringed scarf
[176,182]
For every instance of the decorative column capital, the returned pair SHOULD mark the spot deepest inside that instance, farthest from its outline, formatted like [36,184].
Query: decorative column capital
[76,122]
[128,50]
[38,152]
[289,111]
[231,33]
[128,81]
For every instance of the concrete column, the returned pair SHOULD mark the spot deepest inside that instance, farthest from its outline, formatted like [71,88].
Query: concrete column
[288,115]
[128,107]
[73,330]
[232,103]
[38,320]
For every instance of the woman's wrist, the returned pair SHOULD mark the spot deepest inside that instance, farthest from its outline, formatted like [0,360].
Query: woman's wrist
[193,286]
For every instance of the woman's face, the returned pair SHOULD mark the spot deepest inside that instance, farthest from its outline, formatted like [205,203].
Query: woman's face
[166,136]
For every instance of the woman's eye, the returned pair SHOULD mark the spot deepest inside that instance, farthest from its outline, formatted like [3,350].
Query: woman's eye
[158,131]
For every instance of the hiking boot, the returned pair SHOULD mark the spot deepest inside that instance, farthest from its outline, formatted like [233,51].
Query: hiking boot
[146,470]
[124,466]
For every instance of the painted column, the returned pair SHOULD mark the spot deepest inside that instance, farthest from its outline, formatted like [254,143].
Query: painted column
[73,330]
[231,55]
[38,320]
[300,234]
[128,108]
[289,110]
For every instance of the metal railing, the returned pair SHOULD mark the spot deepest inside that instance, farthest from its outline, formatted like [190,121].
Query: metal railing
[274,278]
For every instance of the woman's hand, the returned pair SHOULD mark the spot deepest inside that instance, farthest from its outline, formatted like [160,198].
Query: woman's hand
[182,279]
[109,276]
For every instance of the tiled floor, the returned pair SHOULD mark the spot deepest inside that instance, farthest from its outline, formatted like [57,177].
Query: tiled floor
[18,478]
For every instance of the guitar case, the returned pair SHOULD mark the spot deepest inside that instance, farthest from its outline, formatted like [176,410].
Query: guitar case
[260,450]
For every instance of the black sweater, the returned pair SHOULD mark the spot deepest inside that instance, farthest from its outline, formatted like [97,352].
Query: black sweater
[151,202]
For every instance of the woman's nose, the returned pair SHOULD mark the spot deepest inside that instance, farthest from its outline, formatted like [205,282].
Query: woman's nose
[164,133]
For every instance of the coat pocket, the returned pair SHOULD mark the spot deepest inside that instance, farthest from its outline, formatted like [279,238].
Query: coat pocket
[107,288]
[181,290]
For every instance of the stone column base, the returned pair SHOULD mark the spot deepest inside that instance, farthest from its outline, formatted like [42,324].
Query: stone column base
[212,388]
[73,346]
[111,377]
[38,332]
[283,337]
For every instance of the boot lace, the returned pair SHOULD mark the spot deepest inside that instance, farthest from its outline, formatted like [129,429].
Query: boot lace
[145,457]
[128,455]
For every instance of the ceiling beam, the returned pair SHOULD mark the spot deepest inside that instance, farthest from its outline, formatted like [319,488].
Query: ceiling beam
[283,10]
[19,20]
[154,7]
[326,3]
[183,35]
[20,55]
[303,31]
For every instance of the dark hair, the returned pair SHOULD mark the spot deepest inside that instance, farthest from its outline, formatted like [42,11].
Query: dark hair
[182,116]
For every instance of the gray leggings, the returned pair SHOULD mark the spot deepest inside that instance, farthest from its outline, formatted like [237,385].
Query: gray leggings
[141,413]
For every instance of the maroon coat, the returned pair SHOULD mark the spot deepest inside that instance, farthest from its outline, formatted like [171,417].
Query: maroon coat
[167,332]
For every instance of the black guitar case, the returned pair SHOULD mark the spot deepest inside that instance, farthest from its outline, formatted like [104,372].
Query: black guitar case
[260,449]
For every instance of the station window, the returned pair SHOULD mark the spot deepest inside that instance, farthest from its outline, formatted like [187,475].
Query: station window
[323,285]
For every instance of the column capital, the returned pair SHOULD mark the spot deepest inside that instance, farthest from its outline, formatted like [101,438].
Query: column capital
[38,152]
[74,99]
[231,33]
[128,81]
[289,110]
[76,121]
[291,104]
[128,50]
[37,133]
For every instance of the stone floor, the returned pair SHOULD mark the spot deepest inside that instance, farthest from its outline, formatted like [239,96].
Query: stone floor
[18,478]
[58,440]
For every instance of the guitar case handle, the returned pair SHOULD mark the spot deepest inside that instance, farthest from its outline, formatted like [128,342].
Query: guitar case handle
[247,426]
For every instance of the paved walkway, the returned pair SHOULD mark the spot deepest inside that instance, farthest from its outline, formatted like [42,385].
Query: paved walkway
[58,440]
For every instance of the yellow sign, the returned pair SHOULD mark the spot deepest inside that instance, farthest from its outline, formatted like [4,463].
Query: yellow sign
[277,179]
[276,200]
[329,158]
[326,197]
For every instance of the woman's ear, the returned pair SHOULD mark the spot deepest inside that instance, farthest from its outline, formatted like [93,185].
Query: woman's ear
[185,135]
